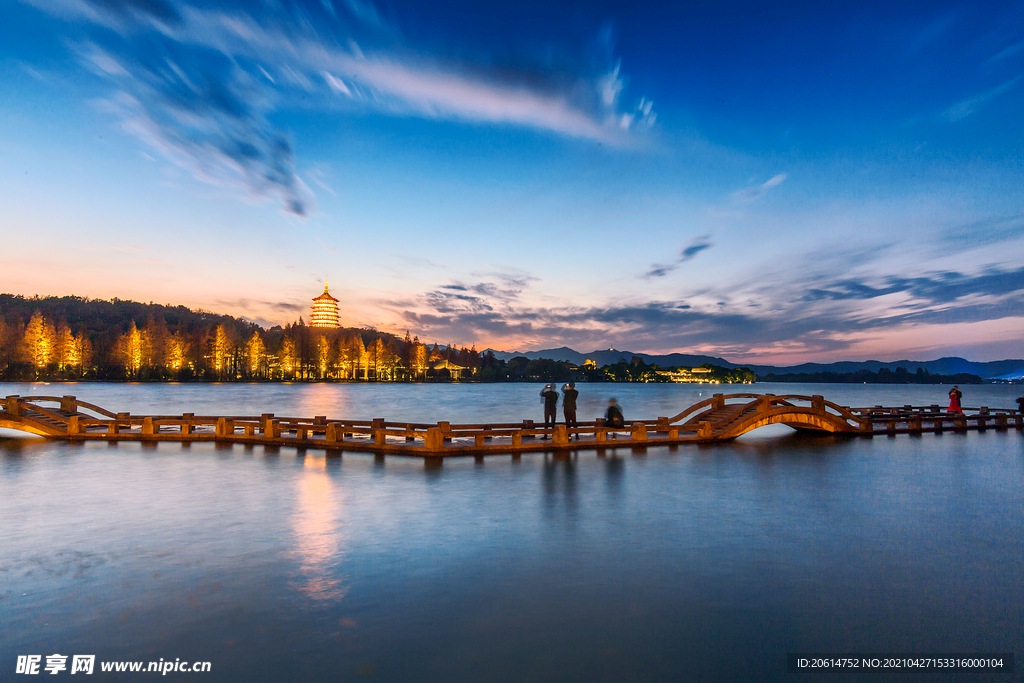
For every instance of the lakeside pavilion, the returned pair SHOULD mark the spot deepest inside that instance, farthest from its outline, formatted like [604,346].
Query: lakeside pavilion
[325,311]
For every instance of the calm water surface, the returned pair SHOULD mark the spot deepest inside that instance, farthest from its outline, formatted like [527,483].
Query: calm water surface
[696,563]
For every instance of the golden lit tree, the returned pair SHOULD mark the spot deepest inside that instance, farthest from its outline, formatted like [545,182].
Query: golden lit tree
[40,339]
[286,357]
[357,355]
[67,348]
[129,348]
[323,354]
[419,360]
[177,350]
[255,351]
[222,350]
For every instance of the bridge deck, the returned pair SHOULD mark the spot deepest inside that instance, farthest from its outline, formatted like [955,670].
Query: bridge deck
[720,418]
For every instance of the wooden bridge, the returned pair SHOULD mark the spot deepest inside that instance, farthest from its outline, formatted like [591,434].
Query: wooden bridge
[719,418]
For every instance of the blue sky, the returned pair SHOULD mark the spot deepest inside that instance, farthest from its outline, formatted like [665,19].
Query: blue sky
[760,181]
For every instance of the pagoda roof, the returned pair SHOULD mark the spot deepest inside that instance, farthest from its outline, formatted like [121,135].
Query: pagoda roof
[325,297]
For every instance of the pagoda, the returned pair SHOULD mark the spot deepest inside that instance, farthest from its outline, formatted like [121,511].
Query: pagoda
[325,311]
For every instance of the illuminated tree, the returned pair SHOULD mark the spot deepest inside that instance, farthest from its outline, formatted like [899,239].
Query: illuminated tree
[177,351]
[286,357]
[222,350]
[66,348]
[40,339]
[358,355]
[323,354]
[255,351]
[419,360]
[129,348]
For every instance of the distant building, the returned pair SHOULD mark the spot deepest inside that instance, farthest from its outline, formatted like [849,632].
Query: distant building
[325,311]
[689,376]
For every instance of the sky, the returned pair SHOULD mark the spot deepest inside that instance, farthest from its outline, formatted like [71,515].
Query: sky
[766,182]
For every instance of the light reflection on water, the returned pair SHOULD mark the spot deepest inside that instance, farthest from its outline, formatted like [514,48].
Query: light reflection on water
[319,523]
[688,563]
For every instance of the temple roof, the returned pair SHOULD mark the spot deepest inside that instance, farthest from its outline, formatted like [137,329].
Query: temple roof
[326,296]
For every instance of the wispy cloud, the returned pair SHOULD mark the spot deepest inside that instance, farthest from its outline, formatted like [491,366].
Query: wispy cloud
[200,85]
[749,194]
[696,246]
[965,108]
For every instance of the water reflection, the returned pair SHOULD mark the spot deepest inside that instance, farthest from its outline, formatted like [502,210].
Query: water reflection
[319,535]
[560,480]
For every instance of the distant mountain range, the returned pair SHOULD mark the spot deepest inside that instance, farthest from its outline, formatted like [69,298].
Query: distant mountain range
[998,369]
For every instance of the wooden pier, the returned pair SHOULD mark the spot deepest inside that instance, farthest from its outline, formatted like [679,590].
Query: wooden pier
[719,418]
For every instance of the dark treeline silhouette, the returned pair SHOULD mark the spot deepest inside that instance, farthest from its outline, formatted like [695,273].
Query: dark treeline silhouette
[70,338]
[884,376]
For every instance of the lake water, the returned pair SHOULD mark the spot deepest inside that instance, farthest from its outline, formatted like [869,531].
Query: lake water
[696,563]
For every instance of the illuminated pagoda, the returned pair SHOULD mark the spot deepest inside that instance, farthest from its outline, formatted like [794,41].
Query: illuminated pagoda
[325,310]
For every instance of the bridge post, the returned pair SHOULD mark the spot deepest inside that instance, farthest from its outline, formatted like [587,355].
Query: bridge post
[12,406]
[915,424]
[273,428]
[764,403]
[186,423]
[640,431]
[379,436]
[74,428]
[434,441]
[517,439]
[719,401]
[147,426]
[528,424]
[330,435]
[704,430]
[818,404]
[1001,422]
[69,404]
[265,419]
[560,436]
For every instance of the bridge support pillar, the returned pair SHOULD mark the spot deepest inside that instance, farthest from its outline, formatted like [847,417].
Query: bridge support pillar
[147,426]
[704,430]
[517,440]
[601,434]
[914,424]
[445,427]
[331,435]
[69,404]
[434,442]
[1001,422]
[818,404]
[640,431]
[186,423]
[379,437]
[273,429]
[13,409]
[74,428]
[560,436]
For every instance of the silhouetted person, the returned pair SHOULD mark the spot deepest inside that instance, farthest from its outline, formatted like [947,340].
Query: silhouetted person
[613,416]
[569,406]
[550,397]
[955,395]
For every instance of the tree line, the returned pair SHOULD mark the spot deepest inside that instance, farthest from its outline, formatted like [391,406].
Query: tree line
[72,338]
[884,376]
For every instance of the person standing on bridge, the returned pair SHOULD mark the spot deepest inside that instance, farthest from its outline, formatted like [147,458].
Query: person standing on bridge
[613,416]
[569,406]
[955,395]
[550,398]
